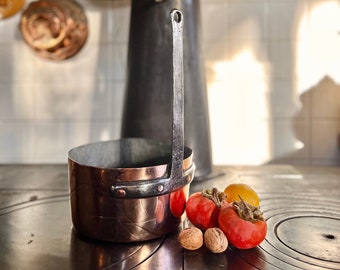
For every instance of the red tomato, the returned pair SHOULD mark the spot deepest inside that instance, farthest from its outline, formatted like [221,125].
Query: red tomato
[241,233]
[202,211]
[177,202]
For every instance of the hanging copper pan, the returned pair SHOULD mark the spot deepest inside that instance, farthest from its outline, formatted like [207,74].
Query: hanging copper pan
[134,189]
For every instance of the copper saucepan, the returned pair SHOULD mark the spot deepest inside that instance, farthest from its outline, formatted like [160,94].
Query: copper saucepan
[134,189]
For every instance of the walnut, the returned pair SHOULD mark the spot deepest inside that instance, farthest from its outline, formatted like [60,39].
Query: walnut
[191,238]
[215,240]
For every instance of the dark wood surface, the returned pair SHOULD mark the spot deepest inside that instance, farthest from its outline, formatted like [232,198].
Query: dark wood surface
[301,205]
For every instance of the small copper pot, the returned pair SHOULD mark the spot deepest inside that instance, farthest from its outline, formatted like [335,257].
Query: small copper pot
[121,192]
[134,189]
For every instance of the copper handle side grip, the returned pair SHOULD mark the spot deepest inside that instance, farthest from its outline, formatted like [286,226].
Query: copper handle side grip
[150,188]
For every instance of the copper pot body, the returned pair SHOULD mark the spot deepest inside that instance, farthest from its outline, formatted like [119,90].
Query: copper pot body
[98,213]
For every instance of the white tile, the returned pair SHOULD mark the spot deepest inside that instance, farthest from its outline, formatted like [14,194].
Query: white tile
[249,71]
[290,139]
[89,4]
[282,59]
[302,129]
[115,61]
[117,91]
[215,20]
[88,57]
[66,135]
[17,100]
[288,19]
[242,143]
[256,51]
[82,66]
[284,100]
[115,22]
[52,139]
[204,2]
[102,4]
[215,50]
[16,142]
[324,142]
[316,59]
[116,129]
[6,63]
[304,106]
[23,67]
[318,55]
[244,62]
[9,30]
[325,100]
[108,21]
[94,25]
[249,20]
[256,102]
[101,99]
[324,17]
[69,100]
[216,61]
[236,130]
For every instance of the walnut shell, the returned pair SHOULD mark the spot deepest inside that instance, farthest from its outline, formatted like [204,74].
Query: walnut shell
[215,240]
[191,238]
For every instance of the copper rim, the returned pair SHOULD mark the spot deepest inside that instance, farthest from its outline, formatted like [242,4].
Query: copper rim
[101,156]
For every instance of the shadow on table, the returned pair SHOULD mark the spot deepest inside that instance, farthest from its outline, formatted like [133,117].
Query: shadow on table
[90,254]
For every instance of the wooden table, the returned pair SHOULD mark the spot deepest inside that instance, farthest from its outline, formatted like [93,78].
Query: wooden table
[301,205]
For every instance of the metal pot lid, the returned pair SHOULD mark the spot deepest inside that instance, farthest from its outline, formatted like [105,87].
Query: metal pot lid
[55,29]
[9,8]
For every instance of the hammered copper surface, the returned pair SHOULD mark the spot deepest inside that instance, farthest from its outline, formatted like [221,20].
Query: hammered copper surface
[95,168]
[301,204]
[54,29]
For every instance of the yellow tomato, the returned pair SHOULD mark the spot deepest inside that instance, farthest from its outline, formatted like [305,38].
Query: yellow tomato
[233,191]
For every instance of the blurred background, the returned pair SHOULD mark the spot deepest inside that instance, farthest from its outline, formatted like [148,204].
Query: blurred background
[273,83]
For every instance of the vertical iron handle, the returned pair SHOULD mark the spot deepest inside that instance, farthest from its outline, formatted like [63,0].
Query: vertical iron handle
[178,97]
[177,178]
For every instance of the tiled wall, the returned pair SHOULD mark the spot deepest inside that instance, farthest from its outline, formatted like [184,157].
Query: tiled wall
[272,70]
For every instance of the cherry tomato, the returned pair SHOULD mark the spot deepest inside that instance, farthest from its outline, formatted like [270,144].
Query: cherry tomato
[241,233]
[234,191]
[177,202]
[202,208]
